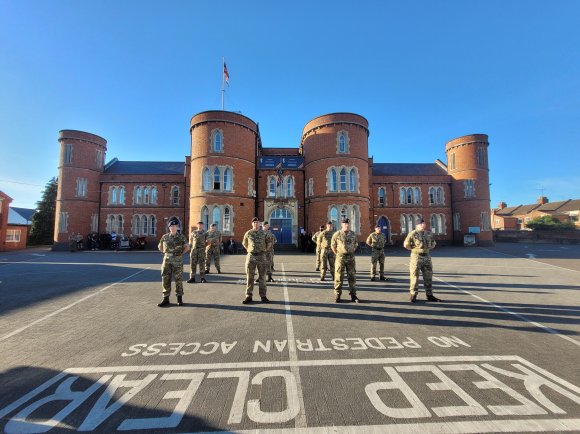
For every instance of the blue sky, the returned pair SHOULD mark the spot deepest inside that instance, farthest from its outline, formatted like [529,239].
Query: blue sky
[421,72]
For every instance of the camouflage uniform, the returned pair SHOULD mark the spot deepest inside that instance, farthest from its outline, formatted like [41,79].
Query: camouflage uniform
[269,255]
[420,242]
[327,254]
[197,240]
[213,250]
[345,244]
[256,245]
[318,255]
[377,243]
[173,247]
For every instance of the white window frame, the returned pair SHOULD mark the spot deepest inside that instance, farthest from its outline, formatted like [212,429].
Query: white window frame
[13,235]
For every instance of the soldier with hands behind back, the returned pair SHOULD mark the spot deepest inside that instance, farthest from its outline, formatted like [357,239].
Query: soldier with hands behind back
[344,244]
[377,242]
[173,245]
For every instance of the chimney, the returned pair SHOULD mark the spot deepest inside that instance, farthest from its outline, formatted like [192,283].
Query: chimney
[542,200]
[502,205]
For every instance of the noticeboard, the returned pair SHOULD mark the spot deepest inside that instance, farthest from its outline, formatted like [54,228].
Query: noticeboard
[281,162]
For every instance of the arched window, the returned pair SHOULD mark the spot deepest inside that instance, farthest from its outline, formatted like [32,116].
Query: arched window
[153,225]
[381,196]
[120,224]
[154,195]
[205,216]
[216,217]
[114,195]
[145,225]
[122,195]
[145,195]
[439,195]
[138,197]
[271,186]
[352,180]
[216,179]
[417,195]
[206,180]
[217,141]
[289,186]
[354,219]
[343,213]
[228,179]
[334,217]
[342,145]
[281,213]
[333,180]
[432,195]
[410,195]
[403,196]
[227,219]
[175,195]
[137,225]
[111,223]
[343,179]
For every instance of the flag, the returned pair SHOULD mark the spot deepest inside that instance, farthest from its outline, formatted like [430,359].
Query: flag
[226,75]
[279,178]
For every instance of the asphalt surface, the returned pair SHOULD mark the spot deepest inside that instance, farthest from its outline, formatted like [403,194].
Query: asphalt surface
[84,347]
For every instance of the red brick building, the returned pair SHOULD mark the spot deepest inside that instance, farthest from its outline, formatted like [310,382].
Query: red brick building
[13,236]
[230,177]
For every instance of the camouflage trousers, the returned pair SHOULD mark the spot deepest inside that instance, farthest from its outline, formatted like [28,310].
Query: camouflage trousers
[327,262]
[254,261]
[378,255]
[318,257]
[197,257]
[212,252]
[269,259]
[342,263]
[421,264]
[172,268]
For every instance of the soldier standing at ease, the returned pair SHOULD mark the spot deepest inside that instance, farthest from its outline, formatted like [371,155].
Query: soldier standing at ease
[318,250]
[344,244]
[173,246]
[198,242]
[327,255]
[213,249]
[377,241]
[255,244]
[419,242]
[269,255]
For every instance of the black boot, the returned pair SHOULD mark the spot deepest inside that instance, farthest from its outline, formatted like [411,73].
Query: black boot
[191,280]
[337,299]
[383,278]
[203,280]
[219,271]
[431,297]
[247,300]
[265,299]
[270,279]
[164,302]
[354,298]
[372,278]
[180,300]
[413,298]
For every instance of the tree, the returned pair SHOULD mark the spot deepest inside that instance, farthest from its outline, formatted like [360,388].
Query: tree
[550,223]
[42,230]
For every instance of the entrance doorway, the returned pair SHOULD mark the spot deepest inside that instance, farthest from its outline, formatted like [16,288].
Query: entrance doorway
[385,228]
[281,225]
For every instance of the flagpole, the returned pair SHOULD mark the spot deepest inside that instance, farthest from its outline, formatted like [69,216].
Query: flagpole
[223,82]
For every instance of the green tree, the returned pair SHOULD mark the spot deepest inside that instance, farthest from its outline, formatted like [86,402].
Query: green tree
[549,222]
[42,230]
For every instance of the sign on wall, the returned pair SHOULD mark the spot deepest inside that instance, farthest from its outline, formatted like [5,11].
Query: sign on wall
[280,162]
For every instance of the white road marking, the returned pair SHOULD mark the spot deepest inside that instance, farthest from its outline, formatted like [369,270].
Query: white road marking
[62,309]
[523,318]
[531,256]
[300,421]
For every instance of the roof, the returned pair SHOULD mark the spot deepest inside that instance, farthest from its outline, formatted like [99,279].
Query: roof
[20,216]
[116,167]
[552,206]
[408,169]
[571,205]
[507,211]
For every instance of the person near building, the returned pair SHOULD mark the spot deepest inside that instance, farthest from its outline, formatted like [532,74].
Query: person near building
[327,255]
[269,255]
[212,251]
[198,243]
[315,240]
[343,245]
[255,243]
[173,245]
[420,242]
[377,242]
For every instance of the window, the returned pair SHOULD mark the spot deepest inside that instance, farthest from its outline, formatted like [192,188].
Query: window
[342,142]
[63,222]
[343,214]
[205,216]
[99,159]
[113,195]
[251,191]
[146,195]
[497,222]
[152,225]
[175,195]
[333,180]
[408,222]
[485,221]
[82,187]
[137,229]
[469,188]
[115,223]
[94,223]
[452,162]
[436,196]
[227,219]
[206,180]
[122,195]
[311,187]
[416,195]
[67,157]
[271,186]
[138,195]
[13,235]
[334,218]
[382,196]
[410,196]
[216,179]
[217,138]
[456,221]
[289,186]
[438,224]
[481,157]
[354,219]
[154,195]
[343,179]
[216,217]
[228,179]
[352,180]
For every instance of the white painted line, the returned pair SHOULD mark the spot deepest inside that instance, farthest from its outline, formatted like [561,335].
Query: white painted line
[533,260]
[300,421]
[62,309]
[523,318]
[475,426]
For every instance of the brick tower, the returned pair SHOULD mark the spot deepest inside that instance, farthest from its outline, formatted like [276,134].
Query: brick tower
[467,164]
[335,150]
[81,162]
[223,171]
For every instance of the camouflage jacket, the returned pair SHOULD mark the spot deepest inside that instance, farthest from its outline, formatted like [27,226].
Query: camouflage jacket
[172,245]
[255,241]
[214,238]
[315,238]
[270,240]
[419,241]
[377,241]
[344,243]
[197,239]
[325,238]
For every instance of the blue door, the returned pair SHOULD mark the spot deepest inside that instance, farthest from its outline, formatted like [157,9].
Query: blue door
[281,225]
[385,229]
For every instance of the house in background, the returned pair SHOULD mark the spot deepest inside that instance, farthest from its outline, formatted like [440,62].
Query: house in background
[517,217]
[14,225]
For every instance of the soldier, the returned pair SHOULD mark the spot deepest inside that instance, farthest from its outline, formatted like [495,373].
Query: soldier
[173,246]
[327,255]
[377,241]
[419,242]
[214,237]
[198,242]
[269,255]
[344,244]
[315,239]
[256,245]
